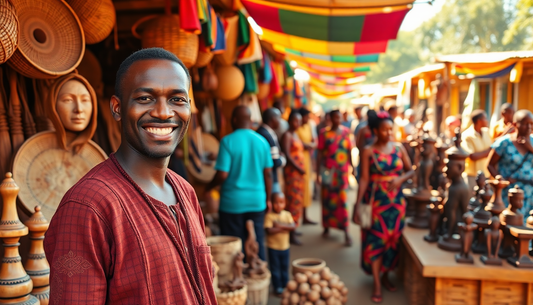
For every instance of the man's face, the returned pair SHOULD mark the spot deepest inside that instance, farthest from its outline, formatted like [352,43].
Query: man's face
[155,107]
[508,115]
[482,122]
[276,121]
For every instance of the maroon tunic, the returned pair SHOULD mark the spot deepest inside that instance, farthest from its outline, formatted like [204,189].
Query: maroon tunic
[109,243]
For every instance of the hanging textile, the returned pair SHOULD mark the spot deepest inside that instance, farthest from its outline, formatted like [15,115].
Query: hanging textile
[250,77]
[471,103]
[189,20]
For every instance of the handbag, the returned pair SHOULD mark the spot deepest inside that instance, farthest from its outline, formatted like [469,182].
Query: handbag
[364,209]
[327,176]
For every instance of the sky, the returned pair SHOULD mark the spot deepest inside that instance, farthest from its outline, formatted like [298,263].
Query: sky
[420,12]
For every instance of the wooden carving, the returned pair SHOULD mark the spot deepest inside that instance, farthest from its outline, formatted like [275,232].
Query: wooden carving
[467,229]
[15,284]
[494,238]
[255,266]
[37,266]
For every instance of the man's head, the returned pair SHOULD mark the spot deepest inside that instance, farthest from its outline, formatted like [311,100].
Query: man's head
[479,119]
[279,105]
[359,112]
[345,116]
[507,113]
[305,115]
[152,102]
[336,118]
[271,117]
[523,121]
[241,118]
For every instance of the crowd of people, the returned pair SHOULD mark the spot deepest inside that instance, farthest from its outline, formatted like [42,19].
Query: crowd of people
[271,174]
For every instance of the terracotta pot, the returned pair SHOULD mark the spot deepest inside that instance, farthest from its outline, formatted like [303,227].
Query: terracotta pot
[302,265]
[230,83]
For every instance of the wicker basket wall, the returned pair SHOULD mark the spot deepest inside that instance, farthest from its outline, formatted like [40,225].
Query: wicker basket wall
[51,41]
[97,18]
[9,30]
[163,31]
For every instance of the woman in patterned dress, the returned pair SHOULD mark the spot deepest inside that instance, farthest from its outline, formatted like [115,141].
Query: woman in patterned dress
[385,166]
[294,171]
[334,161]
[512,157]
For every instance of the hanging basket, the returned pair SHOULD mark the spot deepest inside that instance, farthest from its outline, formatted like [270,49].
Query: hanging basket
[163,31]
[204,58]
[97,18]
[9,30]
[51,40]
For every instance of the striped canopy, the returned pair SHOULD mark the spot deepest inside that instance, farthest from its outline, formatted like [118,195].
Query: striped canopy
[345,3]
[328,64]
[369,58]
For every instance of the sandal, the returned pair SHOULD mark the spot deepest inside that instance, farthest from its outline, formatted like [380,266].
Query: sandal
[388,285]
[376,298]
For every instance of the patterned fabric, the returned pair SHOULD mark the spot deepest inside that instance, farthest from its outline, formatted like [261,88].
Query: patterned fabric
[294,181]
[306,135]
[510,159]
[335,146]
[108,244]
[388,213]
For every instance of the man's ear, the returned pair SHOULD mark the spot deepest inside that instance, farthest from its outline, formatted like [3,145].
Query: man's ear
[114,104]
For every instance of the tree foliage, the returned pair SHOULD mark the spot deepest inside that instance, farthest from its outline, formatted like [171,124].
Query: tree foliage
[462,26]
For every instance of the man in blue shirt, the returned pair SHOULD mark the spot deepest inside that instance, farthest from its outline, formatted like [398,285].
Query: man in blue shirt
[244,169]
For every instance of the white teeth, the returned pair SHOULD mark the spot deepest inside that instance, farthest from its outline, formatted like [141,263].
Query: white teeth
[159,131]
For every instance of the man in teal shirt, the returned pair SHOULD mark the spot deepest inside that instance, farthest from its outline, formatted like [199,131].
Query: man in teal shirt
[244,169]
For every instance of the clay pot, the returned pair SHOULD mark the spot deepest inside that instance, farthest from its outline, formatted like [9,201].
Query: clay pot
[302,265]
[230,83]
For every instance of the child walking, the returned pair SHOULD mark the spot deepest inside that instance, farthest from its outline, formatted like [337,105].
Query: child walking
[278,225]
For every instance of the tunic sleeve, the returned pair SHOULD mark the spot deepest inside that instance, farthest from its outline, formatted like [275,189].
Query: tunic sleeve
[78,248]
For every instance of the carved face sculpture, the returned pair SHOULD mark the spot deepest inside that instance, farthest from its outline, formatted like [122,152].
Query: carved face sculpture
[517,200]
[454,168]
[74,106]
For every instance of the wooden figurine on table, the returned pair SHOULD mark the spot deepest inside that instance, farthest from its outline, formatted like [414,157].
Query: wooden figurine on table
[521,258]
[458,195]
[438,176]
[426,166]
[511,216]
[255,266]
[482,219]
[467,228]
[494,238]
[496,206]
[435,209]
[238,281]
[481,182]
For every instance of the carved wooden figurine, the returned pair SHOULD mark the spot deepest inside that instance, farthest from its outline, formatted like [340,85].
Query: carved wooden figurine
[521,259]
[481,182]
[458,195]
[439,180]
[482,219]
[255,266]
[493,237]
[435,209]
[467,228]
[511,216]
[238,280]
[426,166]
[496,205]
[15,283]
[37,266]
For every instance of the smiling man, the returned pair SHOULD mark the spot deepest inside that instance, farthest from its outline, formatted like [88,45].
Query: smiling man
[131,231]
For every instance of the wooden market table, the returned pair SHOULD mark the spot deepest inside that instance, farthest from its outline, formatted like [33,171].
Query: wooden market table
[432,277]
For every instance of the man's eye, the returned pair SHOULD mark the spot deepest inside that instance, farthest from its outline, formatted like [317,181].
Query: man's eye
[178,100]
[144,98]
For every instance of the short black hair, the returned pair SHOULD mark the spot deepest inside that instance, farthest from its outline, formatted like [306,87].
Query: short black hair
[335,111]
[477,115]
[145,54]
[270,113]
[507,106]
[304,111]
[294,113]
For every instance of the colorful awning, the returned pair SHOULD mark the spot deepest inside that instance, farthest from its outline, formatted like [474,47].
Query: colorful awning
[328,24]
[369,58]
[328,64]
[345,3]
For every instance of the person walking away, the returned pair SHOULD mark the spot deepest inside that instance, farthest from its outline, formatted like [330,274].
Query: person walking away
[271,121]
[278,225]
[512,157]
[477,142]
[346,120]
[363,137]
[505,124]
[306,136]
[385,167]
[131,230]
[244,169]
[294,171]
[334,161]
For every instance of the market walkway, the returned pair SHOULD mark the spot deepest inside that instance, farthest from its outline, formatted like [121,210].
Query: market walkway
[343,261]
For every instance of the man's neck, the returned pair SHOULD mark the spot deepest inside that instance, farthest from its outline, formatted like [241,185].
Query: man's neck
[477,129]
[142,169]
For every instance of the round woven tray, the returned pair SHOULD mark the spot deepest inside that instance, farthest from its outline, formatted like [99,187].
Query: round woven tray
[97,18]
[9,30]
[51,39]
[207,172]
[45,172]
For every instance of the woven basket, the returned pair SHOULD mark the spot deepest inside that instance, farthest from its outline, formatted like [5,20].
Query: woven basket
[224,249]
[9,30]
[51,40]
[204,58]
[97,18]
[163,31]
[258,290]
[233,298]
